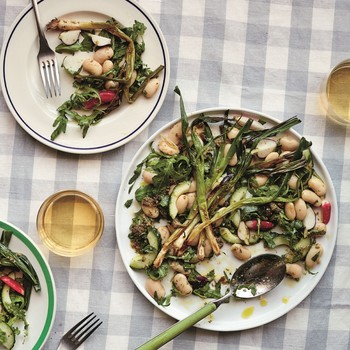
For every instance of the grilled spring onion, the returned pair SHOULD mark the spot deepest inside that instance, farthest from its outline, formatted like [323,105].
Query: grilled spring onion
[22,263]
[128,62]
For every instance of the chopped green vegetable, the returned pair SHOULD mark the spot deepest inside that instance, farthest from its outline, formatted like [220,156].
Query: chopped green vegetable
[17,277]
[127,45]
[233,184]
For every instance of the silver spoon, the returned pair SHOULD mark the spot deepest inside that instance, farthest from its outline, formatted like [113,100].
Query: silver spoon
[257,276]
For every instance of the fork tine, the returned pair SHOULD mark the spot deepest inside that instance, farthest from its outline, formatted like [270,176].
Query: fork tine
[55,77]
[92,330]
[44,77]
[82,330]
[76,332]
[79,323]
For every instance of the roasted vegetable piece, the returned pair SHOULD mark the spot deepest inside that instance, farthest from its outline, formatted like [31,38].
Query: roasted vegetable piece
[13,284]
[248,184]
[100,90]
[23,264]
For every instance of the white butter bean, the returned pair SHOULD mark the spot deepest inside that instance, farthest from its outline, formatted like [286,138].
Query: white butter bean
[92,67]
[321,228]
[240,252]
[151,87]
[177,267]
[103,54]
[317,186]
[111,85]
[191,199]
[107,66]
[285,153]
[182,285]
[233,133]
[148,176]
[300,209]
[168,147]
[294,270]
[261,179]
[207,248]
[314,255]
[181,203]
[155,288]
[289,143]
[193,242]
[193,186]
[256,126]
[175,133]
[164,233]
[311,197]
[233,160]
[149,207]
[272,156]
[293,182]
[289,210]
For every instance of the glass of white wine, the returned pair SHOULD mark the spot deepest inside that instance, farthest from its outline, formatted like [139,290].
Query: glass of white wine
[70,223]
[335,93]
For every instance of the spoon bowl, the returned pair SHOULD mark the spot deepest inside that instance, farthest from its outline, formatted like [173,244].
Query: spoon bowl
[258,276]
[255,277]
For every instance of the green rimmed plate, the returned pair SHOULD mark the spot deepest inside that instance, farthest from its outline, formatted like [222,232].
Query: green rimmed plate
[42,307]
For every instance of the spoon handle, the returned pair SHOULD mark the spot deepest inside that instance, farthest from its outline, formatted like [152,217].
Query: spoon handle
[178,328]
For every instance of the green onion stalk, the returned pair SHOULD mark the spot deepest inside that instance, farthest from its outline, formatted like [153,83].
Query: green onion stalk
[210,192]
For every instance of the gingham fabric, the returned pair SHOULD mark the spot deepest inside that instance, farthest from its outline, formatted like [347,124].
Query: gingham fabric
[267,55]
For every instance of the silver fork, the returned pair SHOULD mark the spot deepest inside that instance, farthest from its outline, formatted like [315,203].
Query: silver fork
[47,61]
[79,333]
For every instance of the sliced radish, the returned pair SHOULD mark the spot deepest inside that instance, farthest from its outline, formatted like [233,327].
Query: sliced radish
[100,40]
[326,211]
[264,225]
[69,37]
[310,219]
[265,147]
[252,224]
[73,63]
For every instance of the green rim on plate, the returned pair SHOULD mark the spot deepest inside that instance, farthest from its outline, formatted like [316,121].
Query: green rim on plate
[48,279]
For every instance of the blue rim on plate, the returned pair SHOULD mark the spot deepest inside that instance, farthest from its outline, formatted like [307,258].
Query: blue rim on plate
[25,117]
[47,284]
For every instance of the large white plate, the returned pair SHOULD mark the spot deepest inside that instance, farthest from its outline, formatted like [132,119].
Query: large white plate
[22,86]
[42,308]
[229,317]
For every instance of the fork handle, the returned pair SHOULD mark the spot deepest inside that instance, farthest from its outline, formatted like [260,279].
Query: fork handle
[37,19]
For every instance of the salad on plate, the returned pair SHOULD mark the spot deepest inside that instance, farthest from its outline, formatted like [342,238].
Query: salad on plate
[105,62]
[224,185]
[17,279]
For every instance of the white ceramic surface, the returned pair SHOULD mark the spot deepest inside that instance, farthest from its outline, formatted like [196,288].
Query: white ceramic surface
[229,317]
[24,94]
[42,307]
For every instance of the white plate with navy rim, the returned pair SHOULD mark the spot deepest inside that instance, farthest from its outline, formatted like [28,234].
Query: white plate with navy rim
[236,315]
[24,94]
[42,307]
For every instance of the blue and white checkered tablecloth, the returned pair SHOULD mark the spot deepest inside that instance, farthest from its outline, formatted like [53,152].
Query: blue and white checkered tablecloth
[266,55]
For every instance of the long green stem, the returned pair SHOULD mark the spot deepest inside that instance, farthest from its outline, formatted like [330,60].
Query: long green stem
[207,199]
[23,264]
